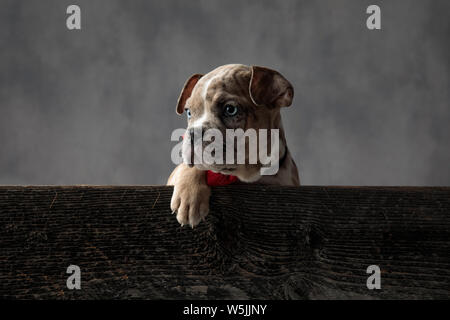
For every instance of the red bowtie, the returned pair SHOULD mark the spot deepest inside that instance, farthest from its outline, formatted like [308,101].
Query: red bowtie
[217,179]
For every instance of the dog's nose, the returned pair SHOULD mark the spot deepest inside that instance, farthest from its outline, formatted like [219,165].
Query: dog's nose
[191,134]
[199,133]
[191,141]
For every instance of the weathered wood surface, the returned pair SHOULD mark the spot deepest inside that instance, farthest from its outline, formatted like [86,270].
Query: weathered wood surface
[258,243]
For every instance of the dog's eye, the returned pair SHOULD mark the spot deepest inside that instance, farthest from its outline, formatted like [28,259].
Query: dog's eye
[188,112]
[230,110]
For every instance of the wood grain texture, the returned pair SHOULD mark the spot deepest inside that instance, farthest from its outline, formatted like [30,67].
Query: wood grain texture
[259,242]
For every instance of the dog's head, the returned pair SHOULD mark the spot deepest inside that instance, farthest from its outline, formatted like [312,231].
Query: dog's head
[232,97]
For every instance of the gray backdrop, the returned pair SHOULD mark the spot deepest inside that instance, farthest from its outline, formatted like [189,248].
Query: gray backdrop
[96,106]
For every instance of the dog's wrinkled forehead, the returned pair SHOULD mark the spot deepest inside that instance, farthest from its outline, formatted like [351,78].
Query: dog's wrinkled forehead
[224,82]
[255,86]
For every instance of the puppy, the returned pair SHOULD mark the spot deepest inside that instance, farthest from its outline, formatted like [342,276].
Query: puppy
[232,96]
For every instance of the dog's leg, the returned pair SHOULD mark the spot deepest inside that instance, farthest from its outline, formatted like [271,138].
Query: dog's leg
[190,198]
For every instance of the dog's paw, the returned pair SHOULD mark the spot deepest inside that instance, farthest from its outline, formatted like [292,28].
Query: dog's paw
[191,203]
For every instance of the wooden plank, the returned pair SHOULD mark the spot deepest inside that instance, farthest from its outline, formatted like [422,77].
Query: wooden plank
[259,242]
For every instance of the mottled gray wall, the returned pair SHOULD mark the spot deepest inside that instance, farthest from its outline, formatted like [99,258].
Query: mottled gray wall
[96,106]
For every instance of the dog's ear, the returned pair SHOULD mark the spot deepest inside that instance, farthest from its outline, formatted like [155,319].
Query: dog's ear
[268,87]
[186,92]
